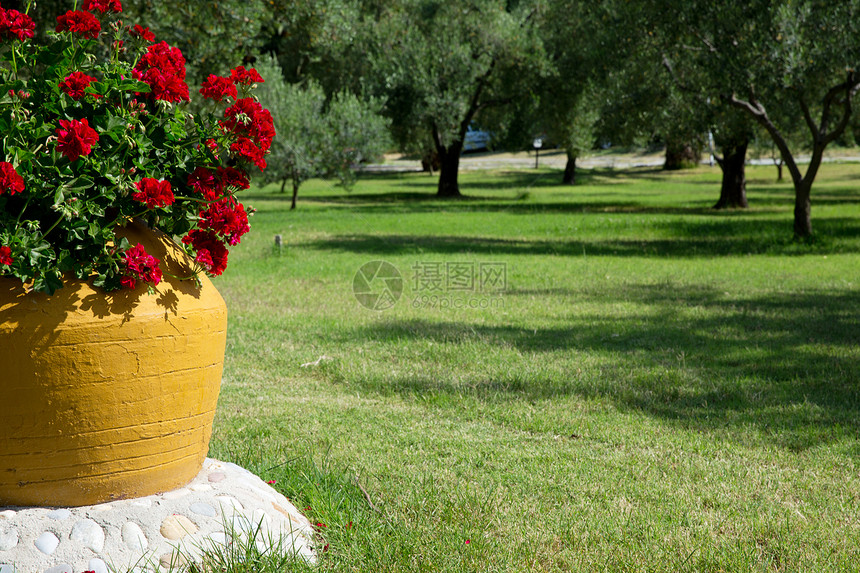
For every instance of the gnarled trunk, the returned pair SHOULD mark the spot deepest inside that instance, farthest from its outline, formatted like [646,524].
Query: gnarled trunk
[733,192]
[569,177]
[803,209]
[449,160]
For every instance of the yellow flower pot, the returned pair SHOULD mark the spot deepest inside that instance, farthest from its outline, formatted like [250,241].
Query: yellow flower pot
[108,395]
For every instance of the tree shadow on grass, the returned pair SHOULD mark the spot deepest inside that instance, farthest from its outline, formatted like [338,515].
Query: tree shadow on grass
[785,367]
[689,239]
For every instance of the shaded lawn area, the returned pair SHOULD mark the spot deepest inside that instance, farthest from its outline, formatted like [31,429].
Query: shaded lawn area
[657,387]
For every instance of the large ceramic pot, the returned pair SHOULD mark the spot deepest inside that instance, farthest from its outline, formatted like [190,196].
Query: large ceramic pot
[108,395]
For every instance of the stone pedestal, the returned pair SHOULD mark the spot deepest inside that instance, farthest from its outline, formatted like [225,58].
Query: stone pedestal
[224,504]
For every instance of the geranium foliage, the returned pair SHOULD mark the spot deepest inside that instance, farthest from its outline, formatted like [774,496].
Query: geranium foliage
[91,142]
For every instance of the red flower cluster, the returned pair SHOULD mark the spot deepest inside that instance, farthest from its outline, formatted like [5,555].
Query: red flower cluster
[79,22]
[226,218]
[143,33]
[211,252]
[75,138]
[204,182]
[140,266]
[5,255]
[162,68]
[254,129]
[217,88]
[154,193]
[10,181]
[233,177]
[75,84]
[211,184]
[102,6]
[247,77]
[15,24]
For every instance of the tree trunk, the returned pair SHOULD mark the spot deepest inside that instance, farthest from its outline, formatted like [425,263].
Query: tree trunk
[803,211]
[283,184]
[733,192]
[295,194]
[779,165]
[680,155]
[569,177]
[449,160]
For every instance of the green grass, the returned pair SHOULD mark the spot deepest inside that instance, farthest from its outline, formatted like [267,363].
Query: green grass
[660,387]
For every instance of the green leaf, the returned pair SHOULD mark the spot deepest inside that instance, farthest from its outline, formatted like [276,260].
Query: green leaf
[78,184]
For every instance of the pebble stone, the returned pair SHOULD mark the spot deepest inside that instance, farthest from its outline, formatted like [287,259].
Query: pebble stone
[148,534]
[229,502]
[204,509]
[47,543]
[89,534]
[175,527]
[133,537]
[8,539]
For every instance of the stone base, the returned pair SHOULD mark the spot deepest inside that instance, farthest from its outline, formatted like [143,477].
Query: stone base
[222,503]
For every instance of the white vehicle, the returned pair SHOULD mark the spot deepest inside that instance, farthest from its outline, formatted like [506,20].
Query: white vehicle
[476,139]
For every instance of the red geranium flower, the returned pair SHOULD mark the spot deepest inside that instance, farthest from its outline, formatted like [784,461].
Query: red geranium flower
[143,33]
[246,150]
[242,76]
[5,255]
[234,177]
[214,259]
[205,183]
[14,23]
[162,67]
[163,86]
[154,193]
[217,88]
[227,218]
[162,56]
[75,84]
[102,6]
[79,22]
[139,266]
[248,118]
[75,138]
[10,181]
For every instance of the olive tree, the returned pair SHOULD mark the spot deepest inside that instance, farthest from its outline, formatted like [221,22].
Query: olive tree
[316,137]
[781,63]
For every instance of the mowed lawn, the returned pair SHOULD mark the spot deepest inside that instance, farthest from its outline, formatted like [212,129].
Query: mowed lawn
[631,381]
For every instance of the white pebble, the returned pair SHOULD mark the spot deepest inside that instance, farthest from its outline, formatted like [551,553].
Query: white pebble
[89,534]
[133,537]
[59,514]
[229,501]
[8,540]
[203,509]
[47,543]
